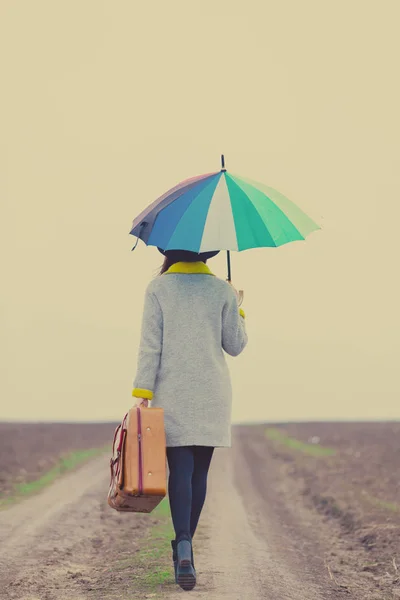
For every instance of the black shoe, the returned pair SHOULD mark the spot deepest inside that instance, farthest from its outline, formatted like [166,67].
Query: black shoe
[186,575]
[174,558]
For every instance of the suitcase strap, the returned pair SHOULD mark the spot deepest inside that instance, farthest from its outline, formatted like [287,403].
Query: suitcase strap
[115,462]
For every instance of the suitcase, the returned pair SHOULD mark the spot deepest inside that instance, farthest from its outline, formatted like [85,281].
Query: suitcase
[138,465]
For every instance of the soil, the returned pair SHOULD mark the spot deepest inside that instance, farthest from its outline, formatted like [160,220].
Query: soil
[357,495]
[275,525]
[27,450]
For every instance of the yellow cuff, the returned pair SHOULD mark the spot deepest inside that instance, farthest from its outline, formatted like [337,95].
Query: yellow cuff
[139,393]
[242,313]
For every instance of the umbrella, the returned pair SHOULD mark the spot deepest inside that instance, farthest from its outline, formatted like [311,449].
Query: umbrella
[221,211]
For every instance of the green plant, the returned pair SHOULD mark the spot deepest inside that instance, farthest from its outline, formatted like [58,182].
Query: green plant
[65,463]
[281,437]
[153,566]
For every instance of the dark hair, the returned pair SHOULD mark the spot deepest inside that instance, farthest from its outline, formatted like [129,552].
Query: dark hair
[175,256]
[166,265]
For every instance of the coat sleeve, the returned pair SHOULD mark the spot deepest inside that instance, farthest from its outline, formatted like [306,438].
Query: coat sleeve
[150,348]
[234,336]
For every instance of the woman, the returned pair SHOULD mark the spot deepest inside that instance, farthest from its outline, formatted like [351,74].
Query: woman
[190,318]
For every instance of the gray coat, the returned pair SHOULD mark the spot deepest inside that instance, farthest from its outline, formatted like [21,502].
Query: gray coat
[190,318]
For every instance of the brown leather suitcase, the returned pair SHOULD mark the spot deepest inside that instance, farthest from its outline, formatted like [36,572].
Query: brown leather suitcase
[138,465]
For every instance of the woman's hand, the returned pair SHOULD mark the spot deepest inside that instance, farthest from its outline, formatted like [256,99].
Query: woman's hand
[142,402]
[239,295]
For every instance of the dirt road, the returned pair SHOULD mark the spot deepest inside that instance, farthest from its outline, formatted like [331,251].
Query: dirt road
[254,541]
[250,550]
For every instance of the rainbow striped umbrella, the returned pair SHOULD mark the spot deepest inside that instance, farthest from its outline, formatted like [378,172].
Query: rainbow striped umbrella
[221,211]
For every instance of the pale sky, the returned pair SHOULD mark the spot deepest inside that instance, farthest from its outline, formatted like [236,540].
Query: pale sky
[107,104]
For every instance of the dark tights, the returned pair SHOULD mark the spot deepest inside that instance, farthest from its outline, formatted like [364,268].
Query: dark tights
[187,486]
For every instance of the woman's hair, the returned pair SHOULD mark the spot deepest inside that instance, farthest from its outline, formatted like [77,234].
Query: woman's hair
[175,256]
[166,265]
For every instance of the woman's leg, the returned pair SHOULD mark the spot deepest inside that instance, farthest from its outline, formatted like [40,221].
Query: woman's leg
[181,466]
[202,461]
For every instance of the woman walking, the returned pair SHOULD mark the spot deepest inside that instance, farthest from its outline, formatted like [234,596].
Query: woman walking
[190,319]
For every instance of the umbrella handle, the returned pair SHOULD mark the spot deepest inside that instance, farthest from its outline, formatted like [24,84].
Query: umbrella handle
[239,294]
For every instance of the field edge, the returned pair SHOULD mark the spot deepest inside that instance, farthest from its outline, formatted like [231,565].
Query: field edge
[67,463]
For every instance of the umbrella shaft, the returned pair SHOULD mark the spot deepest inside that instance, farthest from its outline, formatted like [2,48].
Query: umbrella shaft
[229,265]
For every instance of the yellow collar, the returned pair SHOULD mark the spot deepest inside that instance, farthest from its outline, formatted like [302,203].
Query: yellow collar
[189,268]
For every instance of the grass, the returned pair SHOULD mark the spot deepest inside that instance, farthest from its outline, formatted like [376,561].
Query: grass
[153,563]
[280,437]
[151,566]
[391,506]
[66,463]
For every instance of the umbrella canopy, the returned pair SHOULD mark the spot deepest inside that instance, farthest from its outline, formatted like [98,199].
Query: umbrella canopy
[221,211]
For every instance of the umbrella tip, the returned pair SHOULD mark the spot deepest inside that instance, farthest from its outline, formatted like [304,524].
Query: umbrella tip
[223,163]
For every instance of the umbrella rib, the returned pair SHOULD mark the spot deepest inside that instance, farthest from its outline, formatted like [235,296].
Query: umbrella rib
[238,181]
[190,205]
[264,225]
[260,187]
[214,214]
[180,188]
